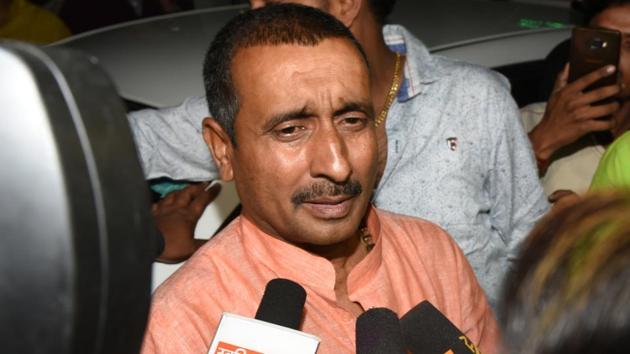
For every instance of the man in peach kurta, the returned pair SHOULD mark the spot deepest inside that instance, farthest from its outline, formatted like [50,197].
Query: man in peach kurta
[412,260]
[293,126]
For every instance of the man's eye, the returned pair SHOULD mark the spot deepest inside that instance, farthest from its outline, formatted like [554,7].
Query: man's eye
[353,122]
[289,131]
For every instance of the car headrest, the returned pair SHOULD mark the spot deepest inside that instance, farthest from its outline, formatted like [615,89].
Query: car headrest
[77,238]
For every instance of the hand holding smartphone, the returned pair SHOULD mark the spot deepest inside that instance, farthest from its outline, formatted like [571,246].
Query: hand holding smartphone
[583,98]
[593,49]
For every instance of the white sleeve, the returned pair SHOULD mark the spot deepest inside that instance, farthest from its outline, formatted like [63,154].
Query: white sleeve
[170,142]
[518,200]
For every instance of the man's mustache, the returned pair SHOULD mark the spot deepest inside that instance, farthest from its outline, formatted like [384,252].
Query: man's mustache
[326,189]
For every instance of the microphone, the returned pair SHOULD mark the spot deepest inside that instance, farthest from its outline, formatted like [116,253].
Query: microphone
[427,331]
[378,332]
[274,330]
[282,303]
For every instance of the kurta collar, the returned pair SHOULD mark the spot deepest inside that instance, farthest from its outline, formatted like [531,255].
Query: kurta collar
[291,262]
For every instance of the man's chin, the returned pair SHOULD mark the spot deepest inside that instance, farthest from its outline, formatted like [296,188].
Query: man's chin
[331,231]
[325,243]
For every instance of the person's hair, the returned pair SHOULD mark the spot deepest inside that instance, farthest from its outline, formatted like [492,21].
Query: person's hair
[569,292]
[592,8]
[272,25]
[381,9]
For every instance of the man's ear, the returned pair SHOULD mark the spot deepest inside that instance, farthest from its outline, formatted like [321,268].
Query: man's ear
[346,11]
[220,146]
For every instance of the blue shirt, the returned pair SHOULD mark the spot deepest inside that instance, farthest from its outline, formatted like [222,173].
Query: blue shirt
[458,156]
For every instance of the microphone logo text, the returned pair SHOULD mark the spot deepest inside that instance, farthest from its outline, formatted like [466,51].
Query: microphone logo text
[227,348]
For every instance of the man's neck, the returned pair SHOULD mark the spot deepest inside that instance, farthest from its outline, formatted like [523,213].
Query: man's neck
[343,255]
[382,60]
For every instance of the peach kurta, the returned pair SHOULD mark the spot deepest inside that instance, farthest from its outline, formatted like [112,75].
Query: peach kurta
[413,260]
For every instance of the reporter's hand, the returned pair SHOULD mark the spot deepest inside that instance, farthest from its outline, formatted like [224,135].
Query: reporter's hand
[176,216]
[570,114]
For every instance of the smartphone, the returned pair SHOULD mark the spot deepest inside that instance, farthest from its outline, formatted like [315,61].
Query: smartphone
[591,49]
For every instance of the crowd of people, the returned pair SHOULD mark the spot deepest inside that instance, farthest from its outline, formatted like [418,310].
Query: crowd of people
[376,174]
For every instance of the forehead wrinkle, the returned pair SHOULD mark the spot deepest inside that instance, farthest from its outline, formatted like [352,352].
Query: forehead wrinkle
[330,91]
[325,102]
[316,65]
[312,79]
[288,115]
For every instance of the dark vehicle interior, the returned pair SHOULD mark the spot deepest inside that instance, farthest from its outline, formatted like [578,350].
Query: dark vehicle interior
[533,81]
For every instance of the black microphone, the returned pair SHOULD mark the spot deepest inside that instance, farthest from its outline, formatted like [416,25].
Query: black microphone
[282,303]
[378,332]
[428,331]
[275,328]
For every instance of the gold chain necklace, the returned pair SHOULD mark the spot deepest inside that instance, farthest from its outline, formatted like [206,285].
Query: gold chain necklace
[366,238]
[393,90]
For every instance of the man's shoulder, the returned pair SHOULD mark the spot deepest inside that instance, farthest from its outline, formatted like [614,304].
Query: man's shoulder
[187,307]
[390,218]
[475,93]
[428,68]
[469,74]
[192,111]
[207,261]
[412,229]
[414,238]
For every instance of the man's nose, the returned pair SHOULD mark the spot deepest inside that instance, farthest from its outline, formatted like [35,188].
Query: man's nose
[330,156]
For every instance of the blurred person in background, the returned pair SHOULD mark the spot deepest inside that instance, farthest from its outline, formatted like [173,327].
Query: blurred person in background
[567,132]
[570,290]
[21,20]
